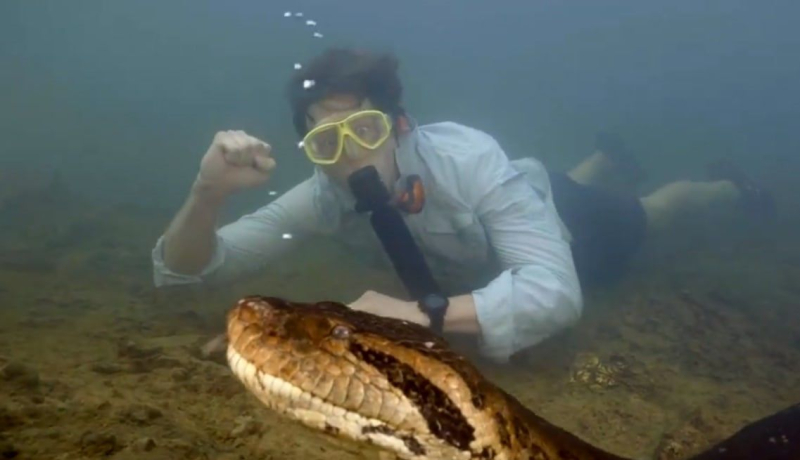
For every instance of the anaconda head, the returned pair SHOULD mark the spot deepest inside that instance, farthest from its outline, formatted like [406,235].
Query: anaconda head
[362,377]
[398,386]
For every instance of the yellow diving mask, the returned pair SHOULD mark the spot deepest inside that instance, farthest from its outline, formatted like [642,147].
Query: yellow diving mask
[368,129]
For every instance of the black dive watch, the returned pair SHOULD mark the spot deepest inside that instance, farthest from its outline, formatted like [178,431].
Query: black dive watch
[435,306]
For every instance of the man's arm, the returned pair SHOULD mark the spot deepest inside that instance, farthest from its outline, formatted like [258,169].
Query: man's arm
[190,239]
[538,293]
[237,249]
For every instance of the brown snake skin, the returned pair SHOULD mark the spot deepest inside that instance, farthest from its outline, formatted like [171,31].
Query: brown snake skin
[392,384]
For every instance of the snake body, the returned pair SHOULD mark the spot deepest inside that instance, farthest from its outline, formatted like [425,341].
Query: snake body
[391,384]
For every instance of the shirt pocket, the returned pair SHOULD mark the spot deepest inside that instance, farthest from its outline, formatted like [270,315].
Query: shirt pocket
[456,236]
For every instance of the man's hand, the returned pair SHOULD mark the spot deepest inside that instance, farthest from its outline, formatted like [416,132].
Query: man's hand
[389,307]
[234,161]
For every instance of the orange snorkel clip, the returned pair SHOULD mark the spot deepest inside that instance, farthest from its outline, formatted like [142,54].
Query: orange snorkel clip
[411,199]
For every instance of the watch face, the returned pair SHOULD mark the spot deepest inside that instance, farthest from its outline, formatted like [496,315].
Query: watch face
[435,301]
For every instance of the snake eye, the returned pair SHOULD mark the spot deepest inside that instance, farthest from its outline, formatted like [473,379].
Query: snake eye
[341,332]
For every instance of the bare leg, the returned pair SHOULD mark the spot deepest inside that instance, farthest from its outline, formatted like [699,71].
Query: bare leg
[611,166]
[682,199]
[601,170]
[595,171]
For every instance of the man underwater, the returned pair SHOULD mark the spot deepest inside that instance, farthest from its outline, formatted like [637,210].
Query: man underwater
[510,242]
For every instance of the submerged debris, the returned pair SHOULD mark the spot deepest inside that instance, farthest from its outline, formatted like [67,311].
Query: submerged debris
[588,369]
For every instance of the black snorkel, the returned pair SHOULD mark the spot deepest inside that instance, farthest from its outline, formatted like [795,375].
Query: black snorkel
[372,196]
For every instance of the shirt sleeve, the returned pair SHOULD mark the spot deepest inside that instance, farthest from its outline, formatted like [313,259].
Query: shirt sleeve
[537,294]
[250,243]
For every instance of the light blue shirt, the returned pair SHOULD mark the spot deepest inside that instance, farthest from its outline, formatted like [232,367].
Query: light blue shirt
[489,227]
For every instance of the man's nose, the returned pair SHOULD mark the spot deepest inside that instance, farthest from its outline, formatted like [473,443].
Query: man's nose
[353,151]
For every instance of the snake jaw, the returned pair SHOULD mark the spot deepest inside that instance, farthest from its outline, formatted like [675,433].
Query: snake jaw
[291,401]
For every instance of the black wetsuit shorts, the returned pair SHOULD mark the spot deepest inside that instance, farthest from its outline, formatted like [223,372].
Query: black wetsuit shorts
[607,228]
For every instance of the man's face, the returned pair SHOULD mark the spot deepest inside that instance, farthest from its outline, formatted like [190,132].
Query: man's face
[337,108]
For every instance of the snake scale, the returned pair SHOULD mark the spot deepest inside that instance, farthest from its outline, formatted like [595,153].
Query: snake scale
[401,388]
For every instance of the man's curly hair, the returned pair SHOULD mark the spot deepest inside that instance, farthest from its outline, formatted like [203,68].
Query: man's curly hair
[341,71]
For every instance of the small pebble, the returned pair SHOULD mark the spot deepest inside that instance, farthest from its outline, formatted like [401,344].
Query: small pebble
[143,445]
[21,373]
[13,370]
[217,345]
[61,406]
[141,414]
[99,443]
[105,368]
[180,375]
[245,426]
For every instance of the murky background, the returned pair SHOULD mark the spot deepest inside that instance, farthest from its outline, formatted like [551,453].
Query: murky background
[107,108]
